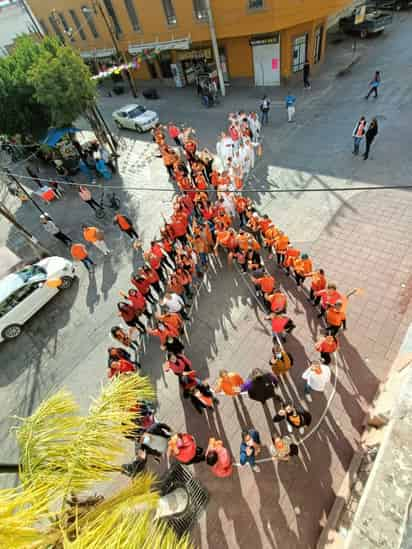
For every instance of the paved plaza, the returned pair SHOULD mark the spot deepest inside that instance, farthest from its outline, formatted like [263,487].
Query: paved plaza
[361,237]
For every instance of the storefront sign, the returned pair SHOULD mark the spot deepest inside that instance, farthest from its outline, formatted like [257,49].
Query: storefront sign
[194,54]
[263,40]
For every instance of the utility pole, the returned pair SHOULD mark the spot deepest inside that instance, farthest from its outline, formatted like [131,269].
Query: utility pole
[23,190]
[30,239]
[215,47]
[120,55]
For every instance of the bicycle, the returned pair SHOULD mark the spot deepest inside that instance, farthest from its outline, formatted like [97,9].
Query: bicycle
[113,203]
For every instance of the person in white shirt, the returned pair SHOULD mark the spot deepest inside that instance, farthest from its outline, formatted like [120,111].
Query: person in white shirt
[53,229]
[226,149]
[317,376]
[174,304]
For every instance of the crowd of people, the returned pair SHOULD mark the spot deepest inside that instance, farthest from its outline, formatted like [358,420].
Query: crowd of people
[212,216]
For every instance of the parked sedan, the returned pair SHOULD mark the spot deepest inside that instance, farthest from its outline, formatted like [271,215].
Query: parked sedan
[135,117]
[26,291]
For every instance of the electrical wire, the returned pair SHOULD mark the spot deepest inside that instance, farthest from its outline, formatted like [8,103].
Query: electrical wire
[245,188]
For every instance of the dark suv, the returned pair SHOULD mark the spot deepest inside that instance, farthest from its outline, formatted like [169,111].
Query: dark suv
[394,5]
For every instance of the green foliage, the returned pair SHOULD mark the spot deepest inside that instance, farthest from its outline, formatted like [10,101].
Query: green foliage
[20,112]
[62,82]
[42,84]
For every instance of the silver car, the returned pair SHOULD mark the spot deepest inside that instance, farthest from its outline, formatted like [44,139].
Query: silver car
[135,117]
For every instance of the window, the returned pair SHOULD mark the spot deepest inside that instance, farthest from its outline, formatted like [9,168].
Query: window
[44,26]
[299,49]
[131,10]
[113,17]
[66,27]
[76,22]
[199,7]
[169,12]
[255,4]
[55,27]
[88,15]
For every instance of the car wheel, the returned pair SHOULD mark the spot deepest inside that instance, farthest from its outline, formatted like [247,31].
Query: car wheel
[11,332]
[118,124]
[67,281]
[138,128]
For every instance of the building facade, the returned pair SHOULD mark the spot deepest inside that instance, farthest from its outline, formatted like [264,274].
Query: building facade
[263,40]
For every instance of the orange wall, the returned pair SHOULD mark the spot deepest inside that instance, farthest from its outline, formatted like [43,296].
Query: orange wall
[232,19]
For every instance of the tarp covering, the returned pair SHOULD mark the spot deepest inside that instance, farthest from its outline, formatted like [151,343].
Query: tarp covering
[178,44]
[54,135]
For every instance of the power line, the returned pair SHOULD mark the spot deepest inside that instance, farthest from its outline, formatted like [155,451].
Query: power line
[247,189]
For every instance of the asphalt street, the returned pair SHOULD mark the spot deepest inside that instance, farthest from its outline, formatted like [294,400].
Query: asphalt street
[361,238]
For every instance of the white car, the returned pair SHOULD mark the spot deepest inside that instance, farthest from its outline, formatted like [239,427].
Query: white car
[135,117]
[24,292]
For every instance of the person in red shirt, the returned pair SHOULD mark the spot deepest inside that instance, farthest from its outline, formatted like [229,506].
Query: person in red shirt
[265,284]
[174,133]
[143,285]
[152,275]
[328,297]
[138,301]
[178,364]
[326,347]
[130,317]
[163,332]
[281,325]
[121,366]
[219,459]
[183,447]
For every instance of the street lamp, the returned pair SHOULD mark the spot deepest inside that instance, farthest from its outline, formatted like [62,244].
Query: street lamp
[120,55]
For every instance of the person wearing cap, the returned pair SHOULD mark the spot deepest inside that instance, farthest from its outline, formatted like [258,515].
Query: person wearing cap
[54,230]
[317,376]
[96,237]
[302,268]
[335,318]
[79,253]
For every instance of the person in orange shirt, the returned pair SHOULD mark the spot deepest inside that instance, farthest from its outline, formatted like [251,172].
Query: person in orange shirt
[270,236]
[172,321]
[169,158]
[326,347]
[223,219]
[214,178]
[278,302]
[317,285]
[291,254]
[264,224]
[125,225]
[265,285]
[79,253]
[96,237]
[226,239]
[241,203]
[302,267]
[335,318]
[201,247]
[281,245]
[228,383]
[242,240]
[328,296]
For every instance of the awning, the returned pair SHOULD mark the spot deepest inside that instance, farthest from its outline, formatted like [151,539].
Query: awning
[54,135]
[179,44]
[96,54]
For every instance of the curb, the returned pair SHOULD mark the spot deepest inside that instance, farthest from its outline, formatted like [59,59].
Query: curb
[329,536]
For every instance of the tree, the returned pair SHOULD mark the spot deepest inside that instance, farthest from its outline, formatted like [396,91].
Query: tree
[62,82]
[20,112]
[42,83]
[63,455]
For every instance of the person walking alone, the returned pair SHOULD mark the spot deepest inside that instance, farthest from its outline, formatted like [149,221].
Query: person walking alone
[87,198]
[306,74]
[371,133]
[374,85]
[264,110]
[79,253]
[54,230]
[358,134]
[96,237]
[290,105]
[126,226]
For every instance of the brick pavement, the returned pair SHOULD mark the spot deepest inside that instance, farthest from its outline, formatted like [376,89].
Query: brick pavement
[285,505]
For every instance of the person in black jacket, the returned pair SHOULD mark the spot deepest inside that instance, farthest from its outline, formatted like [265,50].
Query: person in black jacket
[260,385]
[370,135]
[295,419]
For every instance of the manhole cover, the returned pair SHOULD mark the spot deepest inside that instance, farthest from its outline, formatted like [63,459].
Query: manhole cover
[178,476]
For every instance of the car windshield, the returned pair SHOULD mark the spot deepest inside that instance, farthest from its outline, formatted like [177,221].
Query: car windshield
[32,273]
[136,112]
